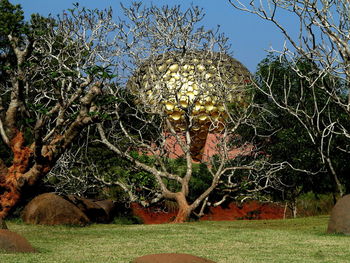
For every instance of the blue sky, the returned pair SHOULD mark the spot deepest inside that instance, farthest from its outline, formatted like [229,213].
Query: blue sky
[249,35]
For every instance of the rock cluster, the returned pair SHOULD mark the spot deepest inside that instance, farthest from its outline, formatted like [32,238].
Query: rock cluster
[52,209]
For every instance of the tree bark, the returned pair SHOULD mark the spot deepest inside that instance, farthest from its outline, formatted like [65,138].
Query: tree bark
[184,208]
[336,179]
[9,182]
[30,163]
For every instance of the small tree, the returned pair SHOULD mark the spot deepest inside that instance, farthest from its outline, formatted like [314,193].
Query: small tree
[322,42]
[54,71]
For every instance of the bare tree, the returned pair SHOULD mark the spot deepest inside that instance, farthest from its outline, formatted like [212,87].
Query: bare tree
[184,86]
[56,69]
[323,42]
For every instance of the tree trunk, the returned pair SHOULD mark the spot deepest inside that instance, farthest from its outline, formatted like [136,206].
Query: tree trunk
[293,207]
[22,172]
[339,185]
[9,181]
[9,197]
[295,210]
[184,208]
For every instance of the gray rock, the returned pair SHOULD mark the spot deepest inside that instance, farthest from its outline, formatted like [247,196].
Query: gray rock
[339,221]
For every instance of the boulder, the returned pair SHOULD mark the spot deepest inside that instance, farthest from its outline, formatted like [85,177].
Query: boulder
[51,209]
[95,212]
[339,221]
[13,242]
[108,206]
[171,258]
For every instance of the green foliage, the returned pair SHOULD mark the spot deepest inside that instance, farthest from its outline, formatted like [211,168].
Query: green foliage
[290,140]
[127,220]
[100,72]
[11,21]
[200,179]
[311,204]
[40,26]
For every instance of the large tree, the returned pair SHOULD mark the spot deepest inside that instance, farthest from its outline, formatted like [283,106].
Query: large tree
[322,42]
[53,71]
[289,140]
[173,81]
[183,85]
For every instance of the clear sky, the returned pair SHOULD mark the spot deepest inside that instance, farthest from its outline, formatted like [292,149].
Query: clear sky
[249,35]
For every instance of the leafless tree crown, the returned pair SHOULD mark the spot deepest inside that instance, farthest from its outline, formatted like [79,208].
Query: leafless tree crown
[323,41]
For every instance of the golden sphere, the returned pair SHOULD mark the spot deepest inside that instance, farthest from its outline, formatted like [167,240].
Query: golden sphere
[195,84]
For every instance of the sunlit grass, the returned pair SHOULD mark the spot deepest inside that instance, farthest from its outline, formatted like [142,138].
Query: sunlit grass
[292,240]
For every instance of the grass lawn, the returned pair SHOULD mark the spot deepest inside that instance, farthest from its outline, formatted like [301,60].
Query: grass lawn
[291,240]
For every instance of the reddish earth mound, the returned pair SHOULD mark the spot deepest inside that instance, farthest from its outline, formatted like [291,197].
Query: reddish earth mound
[339,221]
[51,209]
[248,210]
[171,258]
[13,242]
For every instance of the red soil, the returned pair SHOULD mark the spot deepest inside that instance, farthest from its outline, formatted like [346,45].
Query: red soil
[248,210]
[152,215]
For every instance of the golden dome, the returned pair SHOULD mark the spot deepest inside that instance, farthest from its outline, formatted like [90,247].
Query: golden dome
[198,84]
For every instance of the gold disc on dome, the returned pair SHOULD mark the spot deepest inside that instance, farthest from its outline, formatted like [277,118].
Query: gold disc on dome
[208,76]
[209,106]
[200,68]
[174,68]
[176,115]
[195,128]
[183,103]
[186,67]
[221,108]
[197,106]
[162,67]
[166,77]
[190,95]
[203,117]
[176,76]
[169,105]
[169,61]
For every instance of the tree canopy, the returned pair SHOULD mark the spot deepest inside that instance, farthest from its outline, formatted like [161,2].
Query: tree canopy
[319,58]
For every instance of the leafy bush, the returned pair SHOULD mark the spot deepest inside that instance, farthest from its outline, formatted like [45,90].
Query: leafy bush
[127,220]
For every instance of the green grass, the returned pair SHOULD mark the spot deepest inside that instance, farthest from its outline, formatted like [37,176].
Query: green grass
[292,240]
